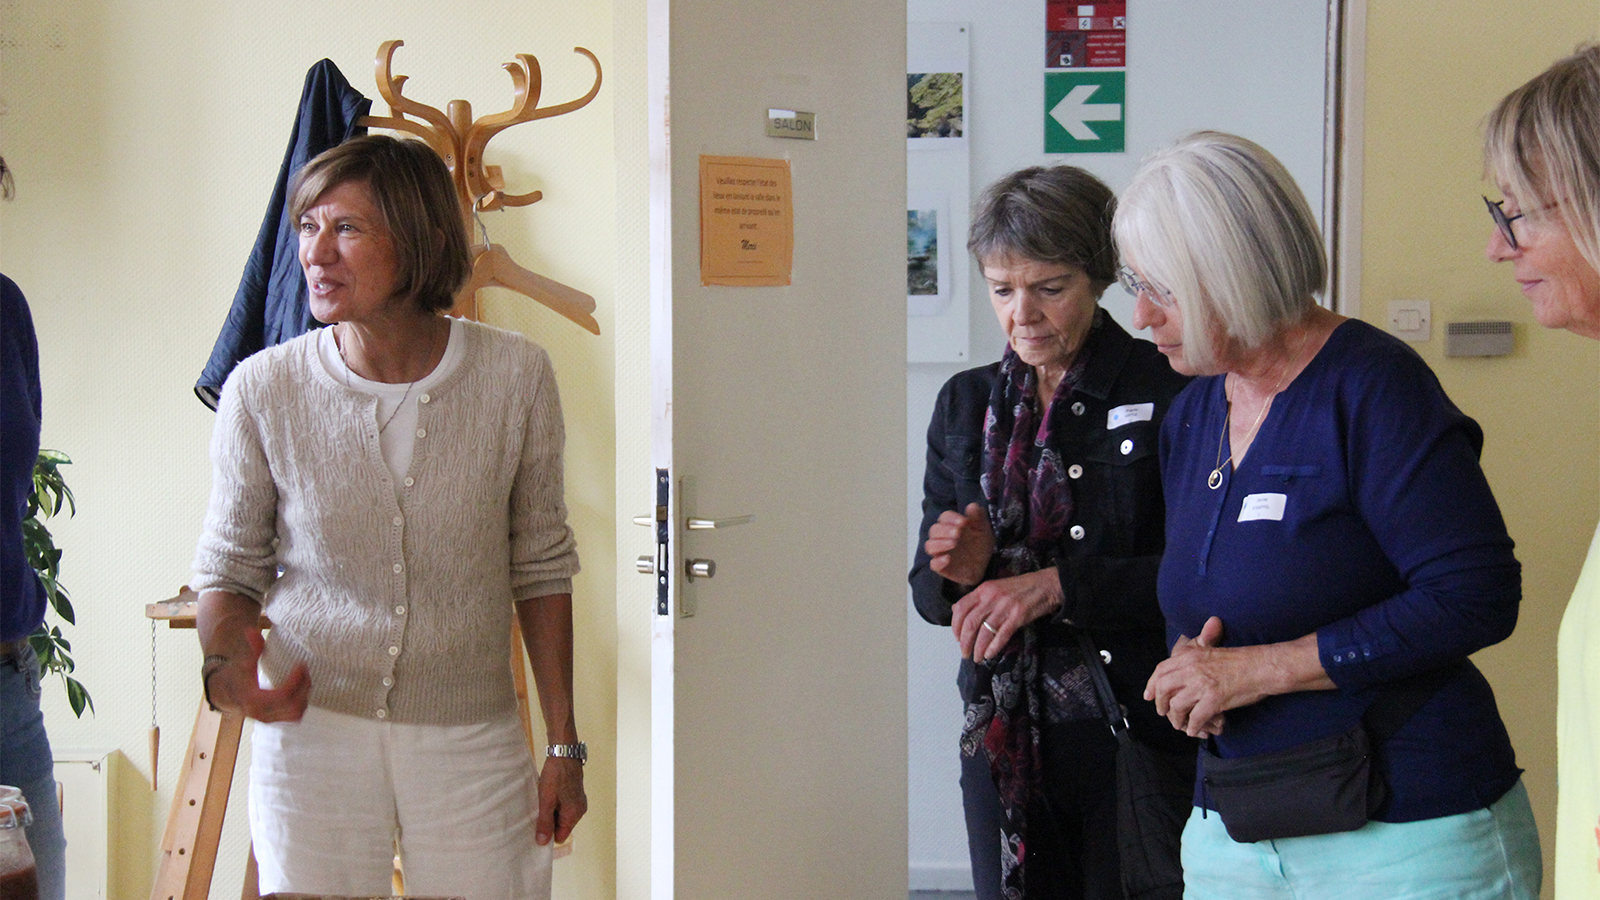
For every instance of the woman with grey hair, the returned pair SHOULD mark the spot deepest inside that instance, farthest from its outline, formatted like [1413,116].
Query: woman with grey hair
[1542,149]
[1042,525]
[1334,555]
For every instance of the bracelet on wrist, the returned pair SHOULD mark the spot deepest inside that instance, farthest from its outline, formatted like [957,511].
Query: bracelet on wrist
[212,664]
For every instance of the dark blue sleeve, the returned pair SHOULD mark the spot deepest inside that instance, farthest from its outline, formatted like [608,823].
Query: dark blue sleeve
[1415,476]
[21,404]
[269,306]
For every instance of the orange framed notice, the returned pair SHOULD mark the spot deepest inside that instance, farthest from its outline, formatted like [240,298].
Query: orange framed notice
[746,221]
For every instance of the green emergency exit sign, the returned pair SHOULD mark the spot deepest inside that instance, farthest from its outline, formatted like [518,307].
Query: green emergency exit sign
[1085,112]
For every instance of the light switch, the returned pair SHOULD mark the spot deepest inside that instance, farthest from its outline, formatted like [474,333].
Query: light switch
[1410,320]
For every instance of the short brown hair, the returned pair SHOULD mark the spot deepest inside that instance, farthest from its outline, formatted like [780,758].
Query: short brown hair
[1054,214]
[412,188]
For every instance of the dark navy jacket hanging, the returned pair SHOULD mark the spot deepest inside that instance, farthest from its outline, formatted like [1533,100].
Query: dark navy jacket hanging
[270,305]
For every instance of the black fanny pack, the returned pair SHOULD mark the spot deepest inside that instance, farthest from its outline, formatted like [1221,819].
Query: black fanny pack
[1320,787]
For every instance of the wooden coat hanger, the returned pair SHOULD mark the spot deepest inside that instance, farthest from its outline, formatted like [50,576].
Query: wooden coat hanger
[492,266]
[460,140]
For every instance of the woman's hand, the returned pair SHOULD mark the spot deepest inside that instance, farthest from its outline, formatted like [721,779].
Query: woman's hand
[1201,681]
[236,688]
[229,627]
[960,544]
[985,619]
[546,624]
[562,801]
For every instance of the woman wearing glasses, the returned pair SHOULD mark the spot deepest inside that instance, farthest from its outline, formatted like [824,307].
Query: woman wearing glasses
[1333,557]
[1042,521]
[1542,149]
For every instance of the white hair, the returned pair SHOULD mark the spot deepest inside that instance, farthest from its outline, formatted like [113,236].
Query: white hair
[1219,223]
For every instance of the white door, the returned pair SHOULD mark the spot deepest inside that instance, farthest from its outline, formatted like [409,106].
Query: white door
[778,706]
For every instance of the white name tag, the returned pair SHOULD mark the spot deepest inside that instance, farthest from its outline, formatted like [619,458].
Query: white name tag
[1263,506]
[1133,412]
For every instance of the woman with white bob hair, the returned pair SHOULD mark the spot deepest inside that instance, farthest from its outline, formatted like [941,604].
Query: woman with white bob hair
[1542,149]
[1333,556]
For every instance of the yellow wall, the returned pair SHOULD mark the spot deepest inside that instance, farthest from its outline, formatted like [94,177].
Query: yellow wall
[145,138]
[1431,77]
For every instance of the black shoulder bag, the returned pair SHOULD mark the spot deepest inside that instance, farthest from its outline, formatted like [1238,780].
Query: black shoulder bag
[1155,794]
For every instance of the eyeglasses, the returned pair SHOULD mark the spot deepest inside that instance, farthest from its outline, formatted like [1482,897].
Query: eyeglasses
[1503,221]
[1135,285]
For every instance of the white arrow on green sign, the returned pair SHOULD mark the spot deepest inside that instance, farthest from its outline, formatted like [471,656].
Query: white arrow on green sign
[1074,100]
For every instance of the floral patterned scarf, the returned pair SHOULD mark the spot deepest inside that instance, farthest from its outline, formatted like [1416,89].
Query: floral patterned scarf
[1030,503]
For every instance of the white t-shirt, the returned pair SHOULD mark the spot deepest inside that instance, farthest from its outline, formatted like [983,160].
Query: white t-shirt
[397,403]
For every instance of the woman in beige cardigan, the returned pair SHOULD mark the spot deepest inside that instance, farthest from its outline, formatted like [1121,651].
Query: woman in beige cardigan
[388,491]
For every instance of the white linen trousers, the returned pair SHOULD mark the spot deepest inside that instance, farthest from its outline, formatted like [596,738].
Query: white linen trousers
[331,794]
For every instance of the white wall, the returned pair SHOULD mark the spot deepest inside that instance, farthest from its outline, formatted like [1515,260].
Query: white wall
[1254,67]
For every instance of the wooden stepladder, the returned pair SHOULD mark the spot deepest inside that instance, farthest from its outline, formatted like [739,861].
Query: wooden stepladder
[194,824]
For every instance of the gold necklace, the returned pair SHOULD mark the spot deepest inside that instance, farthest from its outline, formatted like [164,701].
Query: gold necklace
[338,345]
[1214,480]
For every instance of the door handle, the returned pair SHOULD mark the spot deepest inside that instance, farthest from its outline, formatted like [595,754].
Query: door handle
[698,524]
[694,568]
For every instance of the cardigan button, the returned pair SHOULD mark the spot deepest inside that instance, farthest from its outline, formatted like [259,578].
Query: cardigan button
[383,714]
[424,398]
[398,568]
[394,651]
[1077,532]
[388,681]
[399,521]
[422,432]
[410,481]
[1074,471]
[1077,408]
[1127,447]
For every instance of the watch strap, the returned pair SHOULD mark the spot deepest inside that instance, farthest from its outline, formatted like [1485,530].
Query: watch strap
[578,751]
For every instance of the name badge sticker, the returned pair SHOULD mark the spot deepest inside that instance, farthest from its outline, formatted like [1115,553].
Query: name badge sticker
[1127,415]
[1258,507]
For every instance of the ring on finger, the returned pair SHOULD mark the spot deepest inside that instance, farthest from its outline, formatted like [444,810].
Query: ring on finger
[990,627]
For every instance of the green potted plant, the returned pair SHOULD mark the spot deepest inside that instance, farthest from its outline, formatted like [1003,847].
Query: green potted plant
[50,493]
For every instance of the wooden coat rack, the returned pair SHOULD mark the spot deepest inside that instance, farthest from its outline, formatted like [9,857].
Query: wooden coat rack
[461,140]
[194,824]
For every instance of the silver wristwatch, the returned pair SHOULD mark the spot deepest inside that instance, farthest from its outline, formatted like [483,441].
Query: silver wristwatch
[578,751]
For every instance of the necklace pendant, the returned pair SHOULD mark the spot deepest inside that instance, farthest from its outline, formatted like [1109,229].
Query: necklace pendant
[1215,480]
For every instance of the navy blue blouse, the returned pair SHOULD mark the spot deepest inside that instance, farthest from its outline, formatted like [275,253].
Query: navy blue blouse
[21,597]
[1360,513]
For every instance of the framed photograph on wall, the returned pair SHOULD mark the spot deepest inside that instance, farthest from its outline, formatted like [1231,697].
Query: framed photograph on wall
[935,108]
[938,190]
[928,250]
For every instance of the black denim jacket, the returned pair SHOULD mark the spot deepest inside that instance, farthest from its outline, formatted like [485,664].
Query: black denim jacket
[1112,548]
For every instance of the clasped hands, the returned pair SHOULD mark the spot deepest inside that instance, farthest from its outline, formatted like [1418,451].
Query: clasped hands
[1192,686]
[1202,680]
[959,546]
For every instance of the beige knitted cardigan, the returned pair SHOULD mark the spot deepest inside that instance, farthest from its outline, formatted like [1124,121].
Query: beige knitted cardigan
[401,609]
